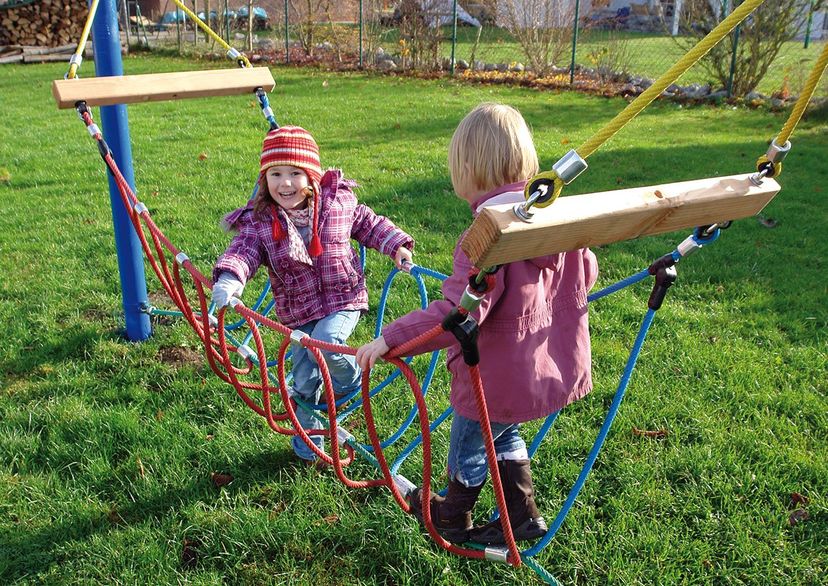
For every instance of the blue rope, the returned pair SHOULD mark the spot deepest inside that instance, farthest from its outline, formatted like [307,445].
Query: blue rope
[631,280]
[419,439]
[367,450]
[599,441]
[267,111]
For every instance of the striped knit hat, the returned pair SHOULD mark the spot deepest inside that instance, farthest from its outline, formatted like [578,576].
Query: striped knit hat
[294,146]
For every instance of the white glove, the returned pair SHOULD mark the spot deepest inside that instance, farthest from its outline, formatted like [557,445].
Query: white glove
[226,287]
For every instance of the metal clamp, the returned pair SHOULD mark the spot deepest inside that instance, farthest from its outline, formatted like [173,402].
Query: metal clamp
[403,484]
[343,435]
[497,554]
[570,166]
[776,153]
[297,336]
[246,352]
[181,258]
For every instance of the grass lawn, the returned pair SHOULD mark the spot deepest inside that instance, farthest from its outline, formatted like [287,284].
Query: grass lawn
[107,447]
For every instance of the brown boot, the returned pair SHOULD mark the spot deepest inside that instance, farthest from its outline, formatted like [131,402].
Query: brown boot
[451,514]
[526,521]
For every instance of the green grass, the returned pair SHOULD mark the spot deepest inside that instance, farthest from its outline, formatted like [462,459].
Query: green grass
[106,450]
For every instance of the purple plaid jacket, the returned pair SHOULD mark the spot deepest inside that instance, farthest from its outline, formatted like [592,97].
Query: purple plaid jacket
[308,288]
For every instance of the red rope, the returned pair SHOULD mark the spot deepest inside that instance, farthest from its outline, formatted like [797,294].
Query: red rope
[217,352]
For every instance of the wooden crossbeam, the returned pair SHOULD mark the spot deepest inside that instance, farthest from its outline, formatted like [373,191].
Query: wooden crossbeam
[498,236]
[157,87]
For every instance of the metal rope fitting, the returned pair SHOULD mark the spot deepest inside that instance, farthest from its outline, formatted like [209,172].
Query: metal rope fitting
[770,164]
[343,435]
[570,166]
[776,153]
[404,485]
[688,246]
[544,188]
[247,352]
[497,554]
[297,336]
[470,300]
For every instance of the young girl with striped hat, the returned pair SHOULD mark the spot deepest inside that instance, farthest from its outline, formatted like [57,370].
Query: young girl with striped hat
[299,224]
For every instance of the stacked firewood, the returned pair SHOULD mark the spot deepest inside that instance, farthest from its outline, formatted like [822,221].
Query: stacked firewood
[44,23]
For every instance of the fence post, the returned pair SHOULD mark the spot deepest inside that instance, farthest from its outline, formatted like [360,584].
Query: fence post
[226,22]
[674,28]
[126,21]
[574,42]
[287,39]
[809,25]
[178,15]
[733,61]
[453,35]
[360,34]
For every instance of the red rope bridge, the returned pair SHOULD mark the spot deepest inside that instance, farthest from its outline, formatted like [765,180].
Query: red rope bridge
[167,261]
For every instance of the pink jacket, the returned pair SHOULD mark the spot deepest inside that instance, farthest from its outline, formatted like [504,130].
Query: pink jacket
[535,355]
[308,288]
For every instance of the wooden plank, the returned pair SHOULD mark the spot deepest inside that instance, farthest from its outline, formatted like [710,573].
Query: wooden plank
[498,236]
[155,87]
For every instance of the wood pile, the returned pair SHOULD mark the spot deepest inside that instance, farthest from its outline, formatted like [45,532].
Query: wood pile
[29,54]
[45,23]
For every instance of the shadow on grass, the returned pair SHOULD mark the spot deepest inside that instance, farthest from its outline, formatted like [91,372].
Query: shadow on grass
[27,553]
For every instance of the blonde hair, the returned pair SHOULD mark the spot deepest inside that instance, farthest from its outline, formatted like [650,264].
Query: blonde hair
[492,146]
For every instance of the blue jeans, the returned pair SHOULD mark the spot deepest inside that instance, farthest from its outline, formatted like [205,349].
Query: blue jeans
[307,378]
[467,452]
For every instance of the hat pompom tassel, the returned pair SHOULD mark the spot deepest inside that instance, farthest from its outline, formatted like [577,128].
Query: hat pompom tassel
[315,246]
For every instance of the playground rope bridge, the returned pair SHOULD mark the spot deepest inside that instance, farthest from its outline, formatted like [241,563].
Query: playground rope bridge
[500,234]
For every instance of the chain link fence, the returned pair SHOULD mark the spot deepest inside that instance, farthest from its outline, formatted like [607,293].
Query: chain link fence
[610,46]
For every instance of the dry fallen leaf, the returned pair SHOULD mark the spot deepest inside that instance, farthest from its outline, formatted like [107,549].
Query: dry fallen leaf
[325,83]
[220,479]
[115,517]
[202,156]
[658,194]
[799,499]
[5,175]
[140,464]
[798,516]
[189,553]
[564,141]
[656,433]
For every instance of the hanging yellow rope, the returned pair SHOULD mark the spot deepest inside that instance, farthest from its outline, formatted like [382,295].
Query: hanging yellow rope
[77,57]
[805,97]
[770,164]
[564,171]
[663,82]
[231,52]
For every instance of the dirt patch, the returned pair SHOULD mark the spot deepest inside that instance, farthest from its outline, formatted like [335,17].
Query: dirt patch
[180,356]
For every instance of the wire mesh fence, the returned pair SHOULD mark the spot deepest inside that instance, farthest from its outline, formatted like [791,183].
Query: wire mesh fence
[598,43]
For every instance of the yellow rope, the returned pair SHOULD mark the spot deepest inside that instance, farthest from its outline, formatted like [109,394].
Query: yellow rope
[74,62]
[655,90]
[212,34]
[805,97]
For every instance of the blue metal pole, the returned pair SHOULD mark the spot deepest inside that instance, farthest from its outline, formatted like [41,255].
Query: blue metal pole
[107,46]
